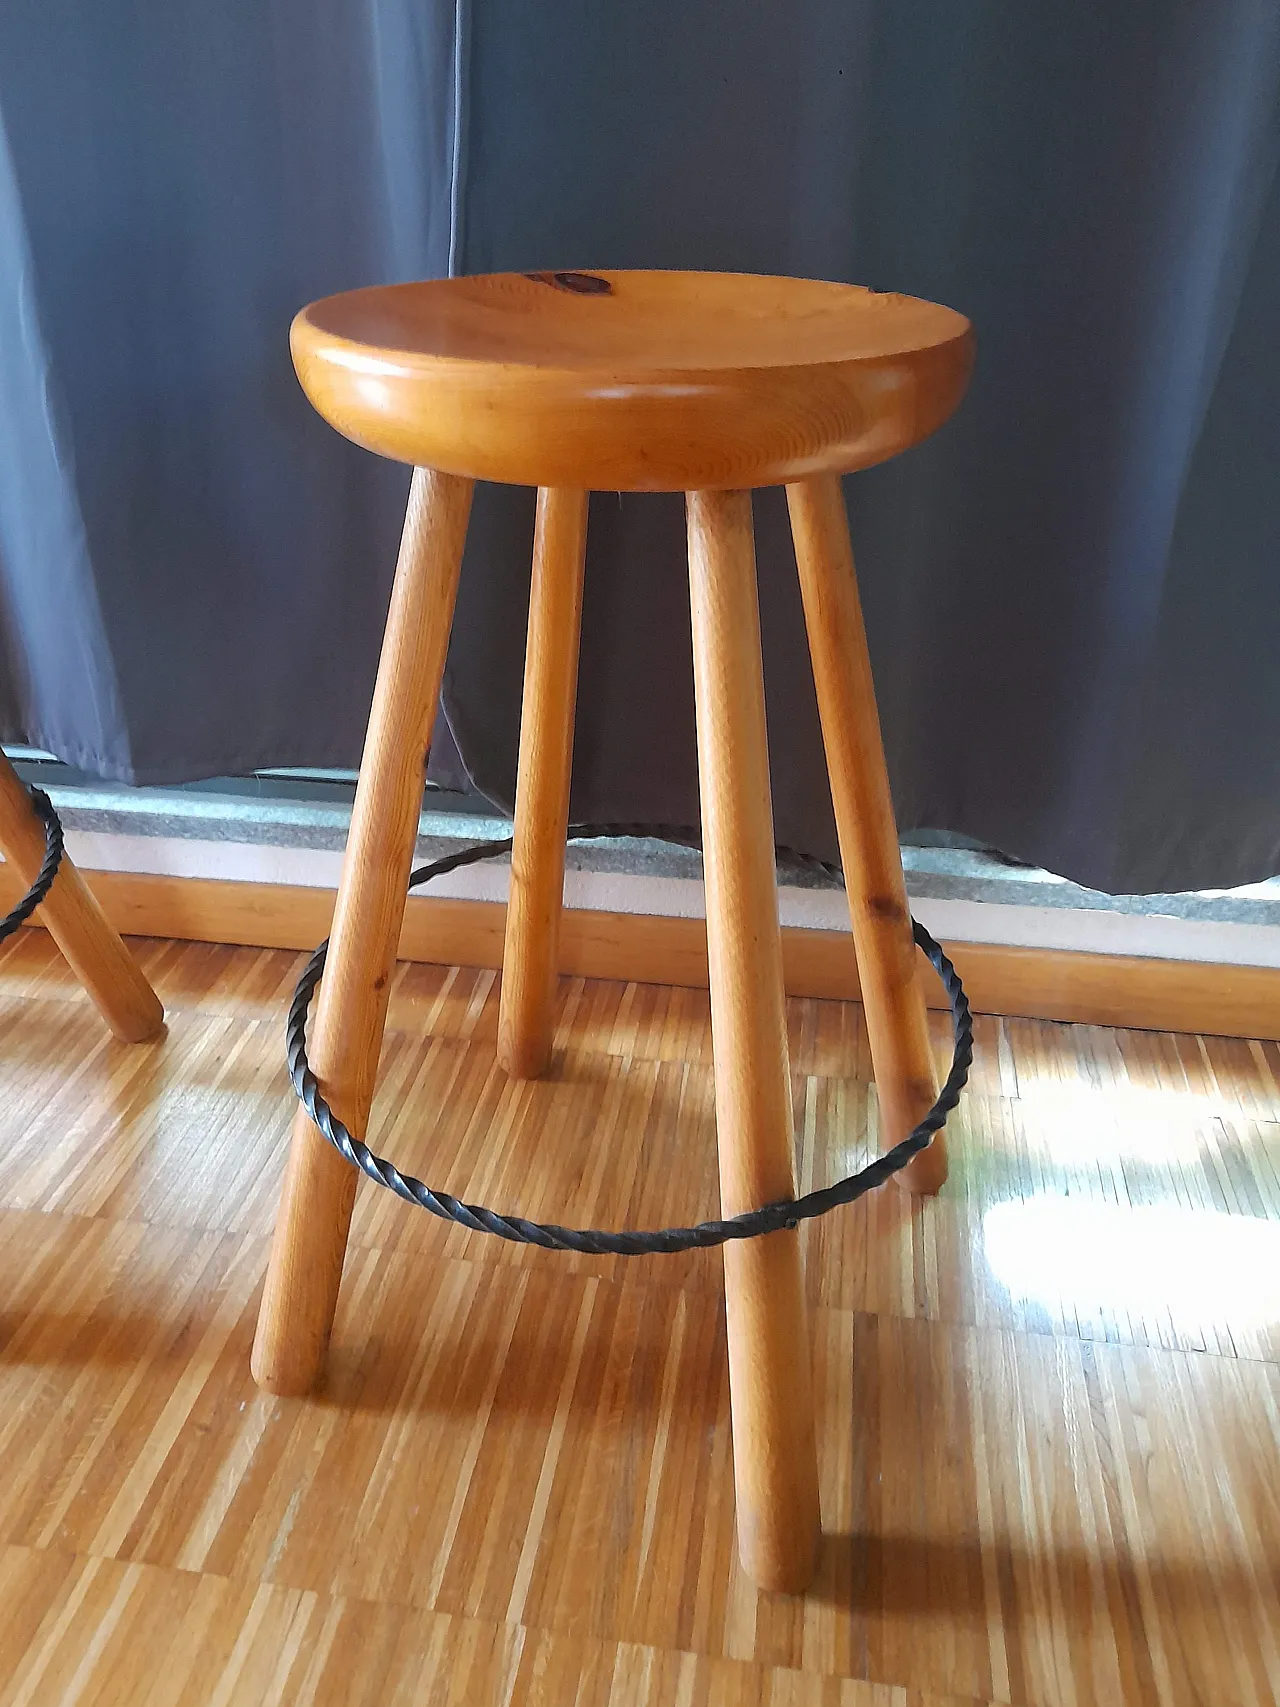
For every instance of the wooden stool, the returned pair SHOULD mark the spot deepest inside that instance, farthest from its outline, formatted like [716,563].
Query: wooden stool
[703,383]
[76,922]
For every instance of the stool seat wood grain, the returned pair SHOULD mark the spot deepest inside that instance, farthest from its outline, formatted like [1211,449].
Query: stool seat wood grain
[708,384]
[632,381]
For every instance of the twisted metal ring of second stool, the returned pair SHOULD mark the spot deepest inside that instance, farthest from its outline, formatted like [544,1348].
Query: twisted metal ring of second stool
[48,866]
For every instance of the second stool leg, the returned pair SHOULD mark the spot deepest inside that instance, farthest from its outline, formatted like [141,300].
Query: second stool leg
[774,1451]
[526,1014]
[319,1187]
[76,922]
[888,968]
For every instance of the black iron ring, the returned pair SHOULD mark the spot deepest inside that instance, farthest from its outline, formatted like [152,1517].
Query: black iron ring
[594,1243]
[48,865]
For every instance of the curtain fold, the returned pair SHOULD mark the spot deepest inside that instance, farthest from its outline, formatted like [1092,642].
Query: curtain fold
[186,177]
[1071,592]
[57,673]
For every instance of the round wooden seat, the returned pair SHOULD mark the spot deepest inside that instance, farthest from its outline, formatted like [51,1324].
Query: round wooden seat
[632,381]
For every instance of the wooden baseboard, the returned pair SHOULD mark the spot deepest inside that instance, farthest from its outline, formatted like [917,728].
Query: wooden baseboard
[1093,989]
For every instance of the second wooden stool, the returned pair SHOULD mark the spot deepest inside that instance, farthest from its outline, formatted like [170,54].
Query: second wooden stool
[76,922]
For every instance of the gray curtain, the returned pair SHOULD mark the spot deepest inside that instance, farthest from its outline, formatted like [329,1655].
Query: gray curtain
[1072,591]
[194,570]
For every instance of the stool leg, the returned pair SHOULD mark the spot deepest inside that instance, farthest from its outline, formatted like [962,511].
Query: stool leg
[897,1026]
[526,1013]
[319,1187]
[774,1452]
[76,922]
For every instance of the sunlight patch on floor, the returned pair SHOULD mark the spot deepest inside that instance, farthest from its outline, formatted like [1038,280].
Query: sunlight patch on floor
[1194,1263]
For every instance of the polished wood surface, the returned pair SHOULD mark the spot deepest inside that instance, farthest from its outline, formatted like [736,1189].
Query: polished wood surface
[637,381]
[77,923]
[775,1458]
[1048,1464]
[319,1187]
[889,966]
[530,965]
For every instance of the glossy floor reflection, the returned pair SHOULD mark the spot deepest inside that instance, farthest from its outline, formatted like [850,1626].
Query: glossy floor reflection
[1196,1263]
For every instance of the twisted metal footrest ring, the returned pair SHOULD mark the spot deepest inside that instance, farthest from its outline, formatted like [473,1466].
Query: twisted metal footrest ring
[661,1241]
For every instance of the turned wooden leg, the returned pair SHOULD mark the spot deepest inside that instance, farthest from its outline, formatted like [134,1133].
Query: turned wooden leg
[76,922]
[319,1187]
[774,1453]
[888,964]
[527,1012]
